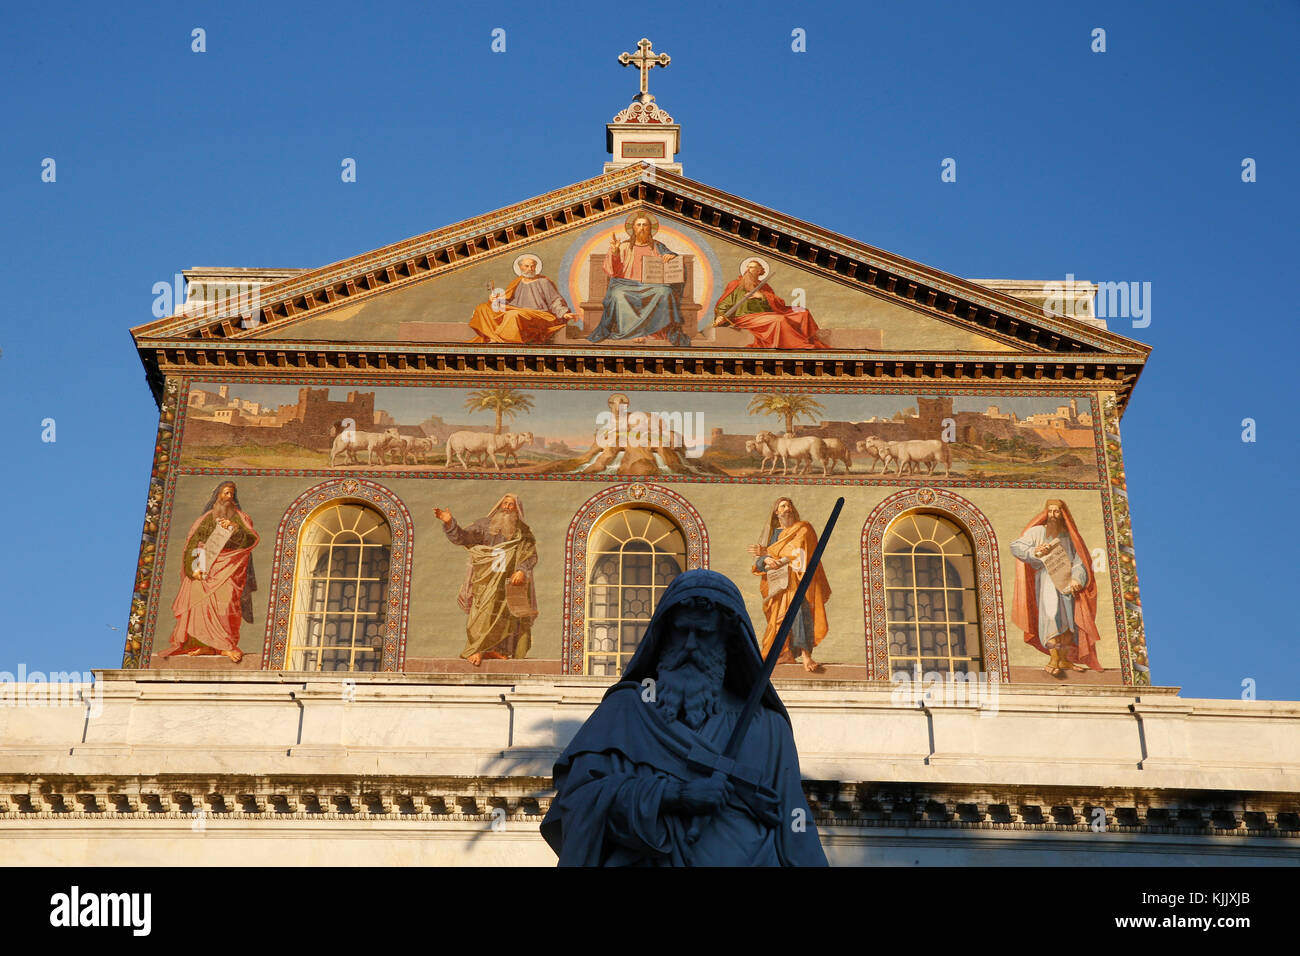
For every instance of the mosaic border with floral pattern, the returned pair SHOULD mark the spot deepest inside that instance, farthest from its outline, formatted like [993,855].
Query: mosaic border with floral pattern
[1135,666]
[153,539]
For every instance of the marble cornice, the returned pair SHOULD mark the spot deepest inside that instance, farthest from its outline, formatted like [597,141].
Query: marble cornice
[840,805]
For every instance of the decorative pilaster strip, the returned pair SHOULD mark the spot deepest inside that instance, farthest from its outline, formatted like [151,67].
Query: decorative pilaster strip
[145,566]
[1127,571]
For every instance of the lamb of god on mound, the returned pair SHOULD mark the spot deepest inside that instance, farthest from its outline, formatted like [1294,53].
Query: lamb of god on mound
[529,311]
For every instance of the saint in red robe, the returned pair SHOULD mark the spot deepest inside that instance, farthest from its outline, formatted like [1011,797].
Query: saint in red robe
[764,315]
[209,609]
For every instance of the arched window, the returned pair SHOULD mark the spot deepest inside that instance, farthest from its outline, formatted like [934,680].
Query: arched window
[623,548]
[633,554]
[933,588]
[341,580]
[931,611]
[339,611]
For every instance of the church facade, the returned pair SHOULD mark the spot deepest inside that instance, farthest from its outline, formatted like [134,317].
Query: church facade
[410,513]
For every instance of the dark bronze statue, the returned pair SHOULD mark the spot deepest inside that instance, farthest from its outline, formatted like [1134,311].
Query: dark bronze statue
[672,769]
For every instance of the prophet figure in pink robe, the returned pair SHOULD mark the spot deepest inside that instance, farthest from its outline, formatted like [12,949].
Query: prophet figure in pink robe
[217,580]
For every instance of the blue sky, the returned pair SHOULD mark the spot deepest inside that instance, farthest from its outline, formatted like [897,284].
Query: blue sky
[1118,166]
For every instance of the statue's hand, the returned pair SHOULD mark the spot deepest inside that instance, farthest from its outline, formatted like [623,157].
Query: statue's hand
[704,796]
[518,578]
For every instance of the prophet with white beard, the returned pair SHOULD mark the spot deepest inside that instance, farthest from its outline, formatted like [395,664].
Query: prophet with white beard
[502,554]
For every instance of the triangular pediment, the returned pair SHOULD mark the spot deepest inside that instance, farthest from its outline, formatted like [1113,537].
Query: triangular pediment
[425,290]
[442,308]
[827,297]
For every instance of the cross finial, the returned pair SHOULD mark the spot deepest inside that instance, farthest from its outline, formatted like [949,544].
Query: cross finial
[644,59]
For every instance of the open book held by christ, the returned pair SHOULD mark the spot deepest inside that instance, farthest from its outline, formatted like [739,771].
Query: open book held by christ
[663,272]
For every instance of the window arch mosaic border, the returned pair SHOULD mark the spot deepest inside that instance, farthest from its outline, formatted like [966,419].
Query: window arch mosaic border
[286,555]
[573,635]
[988,575]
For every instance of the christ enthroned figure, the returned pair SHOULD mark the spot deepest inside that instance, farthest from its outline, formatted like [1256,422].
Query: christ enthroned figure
[634,308]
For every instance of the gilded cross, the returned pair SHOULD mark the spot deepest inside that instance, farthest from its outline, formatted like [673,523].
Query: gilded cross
[644,60]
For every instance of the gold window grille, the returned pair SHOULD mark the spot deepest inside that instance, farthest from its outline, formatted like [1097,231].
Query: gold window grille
[633,554]
[932,615]
[340,579]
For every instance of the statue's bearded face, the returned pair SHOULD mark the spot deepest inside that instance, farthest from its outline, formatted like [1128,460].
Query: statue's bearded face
[752,277]
[692,664]
[528,267]
[641,231]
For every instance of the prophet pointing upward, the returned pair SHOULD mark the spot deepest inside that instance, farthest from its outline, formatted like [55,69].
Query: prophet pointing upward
[497,594]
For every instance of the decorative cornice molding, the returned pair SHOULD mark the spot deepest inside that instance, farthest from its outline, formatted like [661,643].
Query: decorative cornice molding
[327,799]
[1112,372]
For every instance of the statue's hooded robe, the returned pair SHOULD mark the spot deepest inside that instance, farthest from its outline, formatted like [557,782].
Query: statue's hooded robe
[612,777]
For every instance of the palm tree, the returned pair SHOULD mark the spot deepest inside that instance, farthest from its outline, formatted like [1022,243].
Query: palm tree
[787,406]
[506,402]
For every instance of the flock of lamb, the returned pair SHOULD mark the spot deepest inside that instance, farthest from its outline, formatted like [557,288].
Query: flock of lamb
[810,451]
[478,447]
[806,452]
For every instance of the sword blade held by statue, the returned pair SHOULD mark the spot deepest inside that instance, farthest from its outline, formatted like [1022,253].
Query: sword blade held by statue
[769,665]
